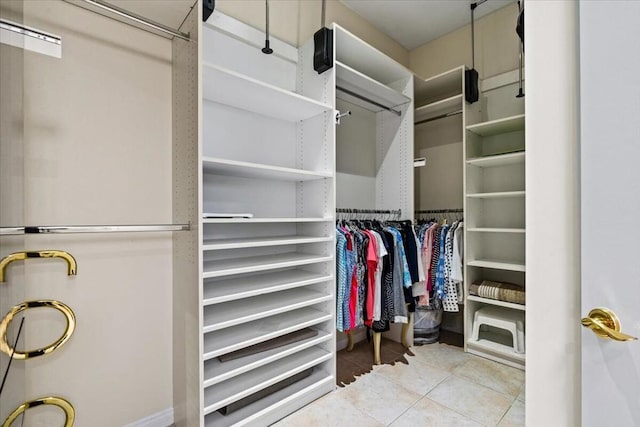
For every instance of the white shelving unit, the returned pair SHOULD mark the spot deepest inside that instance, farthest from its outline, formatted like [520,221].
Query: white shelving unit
[260,141]
[495,232]
[374,145]
[439,134]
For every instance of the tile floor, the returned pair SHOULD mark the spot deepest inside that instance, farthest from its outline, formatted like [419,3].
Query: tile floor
[441,386]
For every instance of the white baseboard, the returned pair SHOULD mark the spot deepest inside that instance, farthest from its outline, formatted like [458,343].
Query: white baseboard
[159,419]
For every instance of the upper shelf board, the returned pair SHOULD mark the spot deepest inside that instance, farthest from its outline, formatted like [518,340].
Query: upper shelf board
[438,87]
[498,160]
[236,90]
[358,54]
[240,169]
[355,81]
[438,108]
[497,195]
[496,127]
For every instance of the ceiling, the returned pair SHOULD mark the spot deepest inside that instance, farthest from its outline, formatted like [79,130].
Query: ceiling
[413,23]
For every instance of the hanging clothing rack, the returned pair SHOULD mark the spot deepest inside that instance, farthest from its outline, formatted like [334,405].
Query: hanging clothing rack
[370,101]
[103,8]
[75,229]
[441,116]
[397,213]
[436,211]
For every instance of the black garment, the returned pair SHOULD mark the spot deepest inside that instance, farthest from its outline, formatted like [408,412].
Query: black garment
[410,250]
[386,302]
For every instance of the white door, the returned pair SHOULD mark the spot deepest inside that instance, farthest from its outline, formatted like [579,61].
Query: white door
[610,204]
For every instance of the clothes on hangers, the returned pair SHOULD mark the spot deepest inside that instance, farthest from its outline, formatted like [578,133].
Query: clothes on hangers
[442,254]
[376,264]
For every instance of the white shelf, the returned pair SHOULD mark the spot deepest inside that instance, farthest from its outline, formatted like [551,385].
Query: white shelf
[498,195]
[216,371]
[496,302]
[496,351]
[241,336]
[263,220]
[226,267]
[276,405]
[251,382]
[355,81]
[438,87]
[360,55]
[237,312]
[497,264]
[498,160]
[496,127]
[239,169]
[438,108]
[246,287]
[237,90]
[260,242]
[496,230]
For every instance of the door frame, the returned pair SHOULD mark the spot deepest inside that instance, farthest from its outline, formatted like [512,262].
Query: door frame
[553,372]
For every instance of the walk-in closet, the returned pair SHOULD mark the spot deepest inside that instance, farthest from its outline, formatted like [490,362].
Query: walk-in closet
[259,238]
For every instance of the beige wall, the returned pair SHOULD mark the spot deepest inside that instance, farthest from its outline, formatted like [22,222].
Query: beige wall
[97,148]
[295,21]
[497,47]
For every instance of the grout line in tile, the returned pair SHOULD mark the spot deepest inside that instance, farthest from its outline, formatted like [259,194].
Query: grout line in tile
[466,416]
[405,411]
[484,385]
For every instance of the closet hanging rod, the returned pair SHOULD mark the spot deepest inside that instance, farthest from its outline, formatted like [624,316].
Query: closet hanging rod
[370,101]
[135,18]
[74,229]
[430,211]
[380,211]
[441,116]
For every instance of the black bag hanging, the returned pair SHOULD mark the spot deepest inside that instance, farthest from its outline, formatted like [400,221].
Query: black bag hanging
[471,91]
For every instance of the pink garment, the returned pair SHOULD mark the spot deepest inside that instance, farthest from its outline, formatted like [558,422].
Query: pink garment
[427,253]
[372,264]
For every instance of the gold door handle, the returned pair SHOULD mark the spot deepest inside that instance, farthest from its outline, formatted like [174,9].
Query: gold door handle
[604,323]
[72,266]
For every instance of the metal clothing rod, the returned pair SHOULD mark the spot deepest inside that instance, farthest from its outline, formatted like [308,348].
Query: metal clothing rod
[441,116]
[370,101]
[375,211]
[74,229]
[135,18]
[430,211]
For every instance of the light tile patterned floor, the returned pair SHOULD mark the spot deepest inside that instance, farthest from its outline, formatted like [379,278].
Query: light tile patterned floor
[442,386]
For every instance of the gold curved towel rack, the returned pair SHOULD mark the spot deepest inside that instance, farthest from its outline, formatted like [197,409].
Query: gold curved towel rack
[67,408]
[72,266]
[70,316]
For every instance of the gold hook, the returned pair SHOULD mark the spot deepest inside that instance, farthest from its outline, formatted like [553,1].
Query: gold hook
[70,316]
[72,266]
[69,412]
